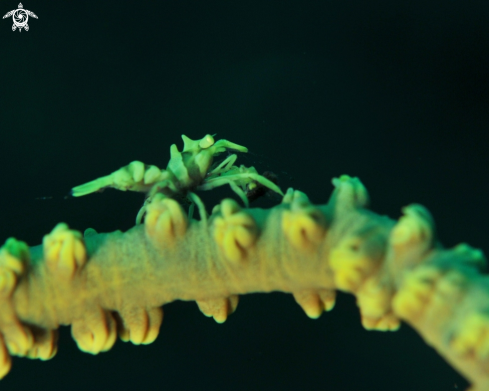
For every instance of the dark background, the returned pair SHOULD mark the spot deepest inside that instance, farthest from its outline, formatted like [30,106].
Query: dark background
[395,93]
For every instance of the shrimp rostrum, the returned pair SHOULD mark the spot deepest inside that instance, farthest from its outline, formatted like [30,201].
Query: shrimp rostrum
[187,171]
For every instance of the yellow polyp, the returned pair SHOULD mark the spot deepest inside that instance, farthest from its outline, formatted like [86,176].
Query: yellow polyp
[409,303]
[137,334]
[310,302]
[314,302]
[313,311]
[139,325]
[45,347]
[235,231]
[220,308]
[302,231]
[48,354]
[96,333]
[84,339]
[374,299]
[220,317]
[165,221]
[64,251]
[350,265]
[388,322]
[155,317]
[372,306]
[421,283]
[329,299]
[19,339]
[415,228]
[352,190]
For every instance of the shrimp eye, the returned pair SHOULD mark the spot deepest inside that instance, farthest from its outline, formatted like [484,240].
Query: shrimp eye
[206,142]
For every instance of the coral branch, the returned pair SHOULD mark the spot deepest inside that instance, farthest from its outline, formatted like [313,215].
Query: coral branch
[116,283]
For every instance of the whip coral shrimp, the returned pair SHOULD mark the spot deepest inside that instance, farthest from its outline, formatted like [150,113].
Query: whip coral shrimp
[187,171]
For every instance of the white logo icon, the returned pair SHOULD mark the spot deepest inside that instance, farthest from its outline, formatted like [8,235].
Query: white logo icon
[20,16]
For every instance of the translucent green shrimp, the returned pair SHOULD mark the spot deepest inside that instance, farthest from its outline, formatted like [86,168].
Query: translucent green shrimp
[186,172]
